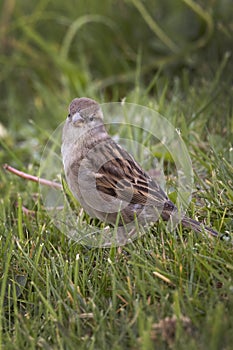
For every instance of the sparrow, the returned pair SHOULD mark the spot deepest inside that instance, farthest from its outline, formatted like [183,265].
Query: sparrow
[106,180]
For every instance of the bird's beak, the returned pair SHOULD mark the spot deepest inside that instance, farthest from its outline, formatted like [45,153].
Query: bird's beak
[77,118]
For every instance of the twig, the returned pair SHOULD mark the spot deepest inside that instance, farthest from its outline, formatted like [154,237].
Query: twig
[27,211]
[31,177]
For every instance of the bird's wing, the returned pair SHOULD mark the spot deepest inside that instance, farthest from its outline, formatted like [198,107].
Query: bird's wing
[123,178]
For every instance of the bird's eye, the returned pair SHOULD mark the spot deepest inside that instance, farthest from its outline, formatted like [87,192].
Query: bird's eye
[69,115]
[91,118]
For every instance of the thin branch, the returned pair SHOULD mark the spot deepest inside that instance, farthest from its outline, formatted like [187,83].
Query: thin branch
[31,177]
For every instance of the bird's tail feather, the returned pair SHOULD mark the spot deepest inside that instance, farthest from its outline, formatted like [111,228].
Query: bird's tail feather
[197,227]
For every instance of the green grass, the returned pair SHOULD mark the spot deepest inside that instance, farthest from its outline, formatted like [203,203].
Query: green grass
[172,56]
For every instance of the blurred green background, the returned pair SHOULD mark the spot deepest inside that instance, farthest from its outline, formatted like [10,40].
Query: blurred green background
[51,51]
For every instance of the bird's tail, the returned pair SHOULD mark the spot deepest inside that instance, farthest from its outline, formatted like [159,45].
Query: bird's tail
[197,227]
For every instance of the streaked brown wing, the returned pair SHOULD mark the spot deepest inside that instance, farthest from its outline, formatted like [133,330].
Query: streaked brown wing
[123,178]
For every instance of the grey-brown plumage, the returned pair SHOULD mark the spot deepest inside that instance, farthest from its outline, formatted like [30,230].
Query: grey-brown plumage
[105,178]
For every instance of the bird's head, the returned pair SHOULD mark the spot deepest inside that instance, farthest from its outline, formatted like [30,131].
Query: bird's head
[84,113]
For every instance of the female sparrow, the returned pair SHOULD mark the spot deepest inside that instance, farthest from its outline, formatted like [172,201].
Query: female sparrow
[106,180]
